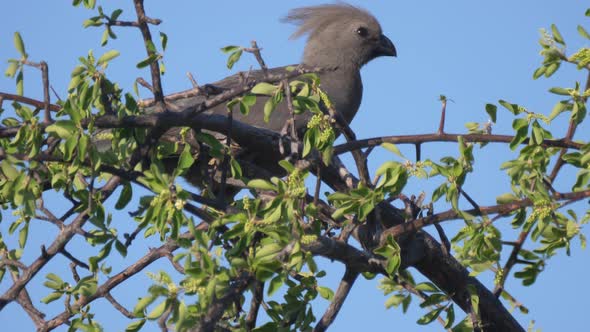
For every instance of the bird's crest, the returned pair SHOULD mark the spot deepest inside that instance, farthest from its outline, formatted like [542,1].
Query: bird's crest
[312,20]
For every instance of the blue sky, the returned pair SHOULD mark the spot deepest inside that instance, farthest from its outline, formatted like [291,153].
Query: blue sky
[473,52]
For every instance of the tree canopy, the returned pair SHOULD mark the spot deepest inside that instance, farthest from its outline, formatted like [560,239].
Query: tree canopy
[88,162]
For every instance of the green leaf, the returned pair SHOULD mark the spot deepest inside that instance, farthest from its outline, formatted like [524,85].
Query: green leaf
[9,171]
[135,326]
[560,91]
[506,198]
[539,72]
[559,108]
[427,287]
[115,14]
[20,83]
[186,159]
[146,62]
[125,197]
[513,108]
[537,133]
[164,40]
[105,37]
[583,32]
[429,317]
[158,310]
[236,169]
[492,109]
[62,128]
[393,148]
[233,58]
[394,301]
[22,235]
[262,185]
[51,297]
[142,304]
[230,49]
[269,106]
[326,293]
[556,35]
[19,44]
[551,69]
[274,285]
[108,56]
[264,88]
[12,68]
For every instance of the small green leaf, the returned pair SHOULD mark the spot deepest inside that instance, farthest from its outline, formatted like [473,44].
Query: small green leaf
[506,198]
[12,68]
[115,14]
[559,108]
[326,293]
[393,148]
[230,49]
[125,197]
[62,128]
[274,285]
[513,108]
[262,185]
[394,301]
[560,91]
[164,40]
[20,83]
[105,37]
[427,287]
[146,62]
[556,35]
[269,106]
[186,159]
[539,72]
[429,317]
[158,310]
[51,297]
[108,56]
[9,171]
[19,44]
[583,32]
[135,326]
[233,58]
[264,88]
[492,109]
[23,235]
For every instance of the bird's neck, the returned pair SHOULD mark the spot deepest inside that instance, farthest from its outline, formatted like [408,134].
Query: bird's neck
[327,58]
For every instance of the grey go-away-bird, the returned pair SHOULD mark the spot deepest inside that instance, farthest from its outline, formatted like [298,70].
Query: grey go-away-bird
[340,36]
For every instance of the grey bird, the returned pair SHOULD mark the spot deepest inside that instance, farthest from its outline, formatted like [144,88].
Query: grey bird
[340,36]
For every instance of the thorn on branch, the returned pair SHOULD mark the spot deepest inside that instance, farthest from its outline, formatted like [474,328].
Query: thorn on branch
[441,126]
[74,259]
[75,274]
[119,307]
[145,84]
[193,81]
[256,51]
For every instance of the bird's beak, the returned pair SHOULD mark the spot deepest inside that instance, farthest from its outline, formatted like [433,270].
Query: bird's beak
[385,47]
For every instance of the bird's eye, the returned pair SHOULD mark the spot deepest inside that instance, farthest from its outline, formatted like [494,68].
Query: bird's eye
[362,31]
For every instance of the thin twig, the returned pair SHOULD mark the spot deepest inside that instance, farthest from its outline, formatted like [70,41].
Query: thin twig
[256,51]
[119,307]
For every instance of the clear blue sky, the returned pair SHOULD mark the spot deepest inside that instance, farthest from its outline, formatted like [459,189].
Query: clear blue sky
[471,51]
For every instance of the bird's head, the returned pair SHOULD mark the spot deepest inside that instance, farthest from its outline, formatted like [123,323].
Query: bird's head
[339,35]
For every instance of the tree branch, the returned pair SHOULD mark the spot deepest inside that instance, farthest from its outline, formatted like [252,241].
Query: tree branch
[339,297]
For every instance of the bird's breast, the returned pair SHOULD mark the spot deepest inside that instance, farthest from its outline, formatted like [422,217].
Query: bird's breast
[345,89]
